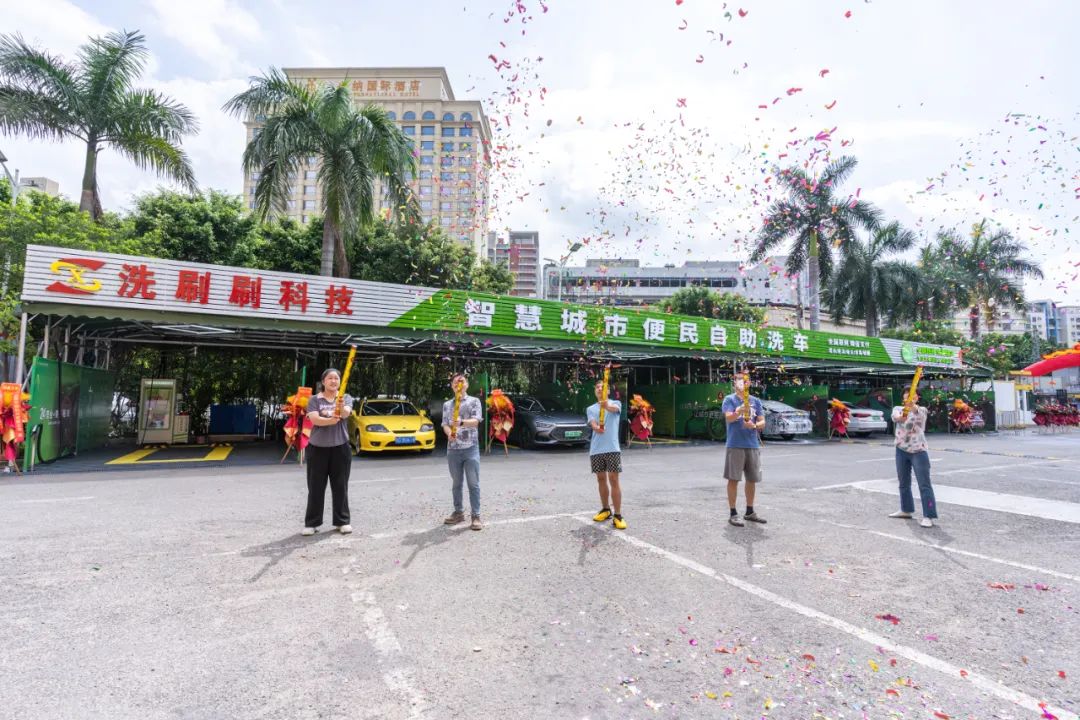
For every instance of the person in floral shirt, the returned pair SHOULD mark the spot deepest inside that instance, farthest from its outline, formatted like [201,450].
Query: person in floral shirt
[912,454]
[463,449]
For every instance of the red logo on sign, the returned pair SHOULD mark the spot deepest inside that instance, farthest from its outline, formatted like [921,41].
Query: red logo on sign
[75,283]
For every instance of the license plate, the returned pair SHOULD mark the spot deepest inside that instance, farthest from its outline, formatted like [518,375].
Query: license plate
[404,441]
[573,434]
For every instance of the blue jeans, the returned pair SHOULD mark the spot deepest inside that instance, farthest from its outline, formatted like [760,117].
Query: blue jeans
[465,463]
[920,462]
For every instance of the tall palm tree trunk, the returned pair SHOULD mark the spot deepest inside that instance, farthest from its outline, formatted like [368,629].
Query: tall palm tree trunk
[329,245]
[815,290]
[88,200]
[973,319]
[341,260]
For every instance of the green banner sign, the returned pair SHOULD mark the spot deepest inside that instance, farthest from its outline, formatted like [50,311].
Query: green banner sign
[481,313]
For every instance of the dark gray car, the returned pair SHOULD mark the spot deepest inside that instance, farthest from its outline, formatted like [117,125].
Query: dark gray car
[544,423]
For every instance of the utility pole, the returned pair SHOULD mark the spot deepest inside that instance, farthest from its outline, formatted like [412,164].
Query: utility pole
[561,264]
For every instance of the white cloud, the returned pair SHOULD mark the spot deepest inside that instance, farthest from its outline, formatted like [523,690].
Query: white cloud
[211,30]
[40,24]
[923,104]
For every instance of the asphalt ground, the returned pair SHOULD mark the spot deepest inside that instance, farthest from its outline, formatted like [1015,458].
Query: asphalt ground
[176,591]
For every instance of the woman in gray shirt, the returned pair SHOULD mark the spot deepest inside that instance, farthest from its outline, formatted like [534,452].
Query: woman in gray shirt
[328,455]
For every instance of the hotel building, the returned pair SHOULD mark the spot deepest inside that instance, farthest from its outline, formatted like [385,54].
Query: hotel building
[451,139]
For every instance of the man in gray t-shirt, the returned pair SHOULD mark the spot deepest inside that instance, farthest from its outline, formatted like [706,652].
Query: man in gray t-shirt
[463,448]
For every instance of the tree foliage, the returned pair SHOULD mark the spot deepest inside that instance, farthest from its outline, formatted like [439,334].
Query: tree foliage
[703,302]
[493,278]
[352,148]
[815,218]
[94,100]
[985,271]
[411,254]
[871,282]
[212,228]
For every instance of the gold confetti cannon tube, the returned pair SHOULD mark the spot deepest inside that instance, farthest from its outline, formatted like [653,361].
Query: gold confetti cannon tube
[909,399]
[340,401]
[604,394]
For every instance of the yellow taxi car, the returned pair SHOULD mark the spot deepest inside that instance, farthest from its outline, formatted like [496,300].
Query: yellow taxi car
[390,423]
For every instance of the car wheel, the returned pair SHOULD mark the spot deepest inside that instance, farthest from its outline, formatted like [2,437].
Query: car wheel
[524,438]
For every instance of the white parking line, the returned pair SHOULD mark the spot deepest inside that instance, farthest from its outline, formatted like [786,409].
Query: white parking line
[891,458]
[956,551]
[52,500]
[985,500]
[399,677]
[943,473]
[506,521]
[400,479]
[984,683]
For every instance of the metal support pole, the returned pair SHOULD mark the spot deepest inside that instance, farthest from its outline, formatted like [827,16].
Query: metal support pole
[45,341]
[67,342]
[22,350]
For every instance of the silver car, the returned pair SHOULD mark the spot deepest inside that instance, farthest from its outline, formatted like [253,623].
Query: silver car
[784,421]
[544,423]
[863,421]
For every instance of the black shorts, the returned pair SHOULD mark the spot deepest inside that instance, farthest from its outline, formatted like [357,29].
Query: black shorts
[606,462]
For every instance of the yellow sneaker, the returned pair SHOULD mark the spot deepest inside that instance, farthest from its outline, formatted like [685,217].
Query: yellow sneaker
[618,522]
[601,516]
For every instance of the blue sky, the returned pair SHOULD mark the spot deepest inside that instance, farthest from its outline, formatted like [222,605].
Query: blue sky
[649,140]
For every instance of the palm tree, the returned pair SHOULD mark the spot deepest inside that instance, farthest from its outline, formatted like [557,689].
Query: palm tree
[989,270]
[44,97]
[817,220]
[935,292]
[868,285]
[354,146]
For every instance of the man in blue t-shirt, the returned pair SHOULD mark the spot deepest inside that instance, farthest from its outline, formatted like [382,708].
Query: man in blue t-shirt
[605,457]
[743,448]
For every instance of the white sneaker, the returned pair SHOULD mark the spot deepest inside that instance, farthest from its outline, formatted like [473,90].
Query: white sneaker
[345,529]
[926,522]
[900,514]
[308,531]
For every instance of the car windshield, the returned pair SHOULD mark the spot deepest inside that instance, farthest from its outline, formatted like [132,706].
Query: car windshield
[776,406]
[389,407]
[531,404]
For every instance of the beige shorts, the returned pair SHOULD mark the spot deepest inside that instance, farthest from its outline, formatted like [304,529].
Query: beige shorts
[740,461]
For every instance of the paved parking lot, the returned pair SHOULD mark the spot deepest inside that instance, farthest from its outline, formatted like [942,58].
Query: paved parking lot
[181,592]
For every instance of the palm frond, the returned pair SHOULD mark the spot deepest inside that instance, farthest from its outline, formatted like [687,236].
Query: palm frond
[838,171]
[276,153]
[146,112]
[28,113]
[891,239]
[39,90]
[110,65]
[781,219]
[267,94]
[152,152]
[33,69]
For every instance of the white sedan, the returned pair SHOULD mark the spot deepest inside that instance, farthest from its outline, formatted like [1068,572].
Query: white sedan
[866,420]
[784,421]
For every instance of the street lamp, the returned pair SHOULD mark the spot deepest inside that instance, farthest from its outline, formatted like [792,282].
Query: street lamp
[14,180]
[562,265]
